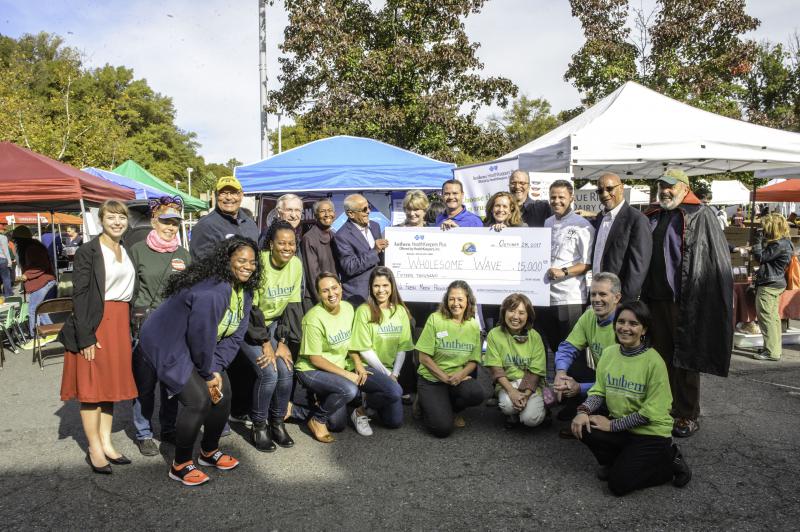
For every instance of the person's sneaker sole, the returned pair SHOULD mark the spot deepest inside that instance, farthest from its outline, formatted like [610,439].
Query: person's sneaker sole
[203,461]
[202,477]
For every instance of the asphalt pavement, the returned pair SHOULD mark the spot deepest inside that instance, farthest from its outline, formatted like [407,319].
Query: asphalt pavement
[744,459]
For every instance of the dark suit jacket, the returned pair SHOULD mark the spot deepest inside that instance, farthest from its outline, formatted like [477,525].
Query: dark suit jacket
[628,249]
[88,298]
[535,212]
[356,260]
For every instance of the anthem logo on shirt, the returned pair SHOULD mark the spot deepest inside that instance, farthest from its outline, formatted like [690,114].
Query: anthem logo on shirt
[455,345]
[625,386]
[178,265]
[596,348]
[514,360]
[389,329]
[280,291]
[339,337]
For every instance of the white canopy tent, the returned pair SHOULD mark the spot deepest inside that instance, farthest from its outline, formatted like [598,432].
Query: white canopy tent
[729,193]
[636,133]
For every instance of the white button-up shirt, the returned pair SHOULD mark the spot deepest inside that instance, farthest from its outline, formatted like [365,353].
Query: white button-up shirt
[367,235]
[571,243]
[602,235]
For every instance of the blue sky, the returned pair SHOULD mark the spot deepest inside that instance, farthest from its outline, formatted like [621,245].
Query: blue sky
[204,53]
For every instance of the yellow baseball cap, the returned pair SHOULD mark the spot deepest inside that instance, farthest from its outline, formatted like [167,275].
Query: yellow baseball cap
[228,181]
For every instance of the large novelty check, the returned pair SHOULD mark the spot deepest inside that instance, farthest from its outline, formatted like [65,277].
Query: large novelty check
[425,260]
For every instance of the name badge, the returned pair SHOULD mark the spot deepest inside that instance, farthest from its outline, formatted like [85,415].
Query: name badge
[441,334]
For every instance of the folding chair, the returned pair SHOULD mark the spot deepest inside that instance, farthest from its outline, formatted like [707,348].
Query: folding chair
[6,326]
[21,320]
[51,306]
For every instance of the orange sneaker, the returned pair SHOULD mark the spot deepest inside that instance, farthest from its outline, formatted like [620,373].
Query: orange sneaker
[188,474]
[218,459]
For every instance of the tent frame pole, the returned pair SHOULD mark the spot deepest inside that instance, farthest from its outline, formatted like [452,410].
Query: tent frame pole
[751,236]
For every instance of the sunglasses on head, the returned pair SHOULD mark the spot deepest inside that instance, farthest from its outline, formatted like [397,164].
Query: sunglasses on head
[166,201]
[608,189]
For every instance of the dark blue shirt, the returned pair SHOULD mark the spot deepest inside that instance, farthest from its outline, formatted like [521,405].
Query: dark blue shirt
[464,219]
[217,226]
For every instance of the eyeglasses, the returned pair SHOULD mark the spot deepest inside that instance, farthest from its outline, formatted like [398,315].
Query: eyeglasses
[231,193]
[608,189]
[365,210]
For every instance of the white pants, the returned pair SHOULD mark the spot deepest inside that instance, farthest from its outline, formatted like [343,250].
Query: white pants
[530,416]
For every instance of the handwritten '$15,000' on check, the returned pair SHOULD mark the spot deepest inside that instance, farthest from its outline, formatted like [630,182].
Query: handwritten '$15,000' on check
[426,260]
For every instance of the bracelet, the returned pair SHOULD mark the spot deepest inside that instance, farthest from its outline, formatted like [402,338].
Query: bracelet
[566,271]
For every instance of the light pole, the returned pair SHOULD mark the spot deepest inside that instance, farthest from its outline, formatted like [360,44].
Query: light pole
[189,172]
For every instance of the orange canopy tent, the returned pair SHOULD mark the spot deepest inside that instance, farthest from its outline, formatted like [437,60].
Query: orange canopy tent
[787,191]
[29,218]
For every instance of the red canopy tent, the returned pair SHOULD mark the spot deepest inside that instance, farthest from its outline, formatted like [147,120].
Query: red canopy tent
[788,190]
[32,182]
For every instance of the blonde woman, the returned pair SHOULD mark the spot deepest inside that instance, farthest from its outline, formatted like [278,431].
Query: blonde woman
[415,206]
[773,251]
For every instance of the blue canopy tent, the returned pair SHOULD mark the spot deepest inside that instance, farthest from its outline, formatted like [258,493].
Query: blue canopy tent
[343,164]
[142,191]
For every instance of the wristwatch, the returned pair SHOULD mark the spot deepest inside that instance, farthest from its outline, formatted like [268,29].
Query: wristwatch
[566,271]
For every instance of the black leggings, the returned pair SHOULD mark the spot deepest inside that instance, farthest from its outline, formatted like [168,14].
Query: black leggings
[198,411]
[440,403]
[636,461]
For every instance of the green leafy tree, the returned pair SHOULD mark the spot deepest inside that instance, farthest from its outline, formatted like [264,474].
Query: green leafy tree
[772,95]
[404,73]
[51,104]
[690,50]
[527,119]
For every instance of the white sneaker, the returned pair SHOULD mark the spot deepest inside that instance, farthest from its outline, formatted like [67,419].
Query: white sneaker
[361,423]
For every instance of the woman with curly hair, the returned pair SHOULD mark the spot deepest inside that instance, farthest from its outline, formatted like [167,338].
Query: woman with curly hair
[449,351]
[274,322]
[189,341]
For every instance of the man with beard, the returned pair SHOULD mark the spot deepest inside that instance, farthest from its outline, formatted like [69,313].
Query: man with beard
[689,289]
[623,243]
[534,212]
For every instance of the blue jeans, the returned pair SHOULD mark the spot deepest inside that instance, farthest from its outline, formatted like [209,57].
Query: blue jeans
[145,376]
[5,279]
[384,395]
[272,388]
[48,291]
[333,393]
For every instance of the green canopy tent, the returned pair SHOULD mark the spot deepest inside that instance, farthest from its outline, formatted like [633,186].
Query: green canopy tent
[132,170]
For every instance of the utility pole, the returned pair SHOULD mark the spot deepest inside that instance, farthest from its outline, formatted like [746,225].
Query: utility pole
[266,149]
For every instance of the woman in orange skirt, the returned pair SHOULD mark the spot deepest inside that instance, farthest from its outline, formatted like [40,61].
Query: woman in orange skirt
[97,362]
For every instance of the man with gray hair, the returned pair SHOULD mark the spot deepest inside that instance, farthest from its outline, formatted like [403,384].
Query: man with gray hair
[289,208]
[689,289]
[534,212]
[594,331]
[359,248]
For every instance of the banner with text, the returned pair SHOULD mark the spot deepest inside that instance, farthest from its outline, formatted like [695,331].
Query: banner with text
[482,180]
[426,260]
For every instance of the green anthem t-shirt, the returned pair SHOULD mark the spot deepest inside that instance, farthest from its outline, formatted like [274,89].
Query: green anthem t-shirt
[386,338]
[326,335]
[233,315]
[451,345]
[278,288]
[503,351]
[636,384]
[588,333]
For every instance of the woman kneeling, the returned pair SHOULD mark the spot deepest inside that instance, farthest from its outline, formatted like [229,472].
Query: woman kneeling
[633,445]
[515,355]
[449,351]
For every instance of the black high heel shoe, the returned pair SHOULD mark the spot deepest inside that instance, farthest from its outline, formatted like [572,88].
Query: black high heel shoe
[120,460]
[102,470]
